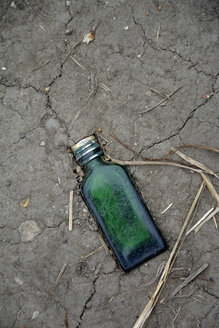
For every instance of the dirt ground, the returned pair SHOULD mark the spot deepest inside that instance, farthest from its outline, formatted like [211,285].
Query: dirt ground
[49,101]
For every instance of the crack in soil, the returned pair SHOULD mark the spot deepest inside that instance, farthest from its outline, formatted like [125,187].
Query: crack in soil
[191,114]
[88,300]
[171,50]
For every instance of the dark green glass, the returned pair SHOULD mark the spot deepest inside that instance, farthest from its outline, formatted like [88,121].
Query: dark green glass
[117,206]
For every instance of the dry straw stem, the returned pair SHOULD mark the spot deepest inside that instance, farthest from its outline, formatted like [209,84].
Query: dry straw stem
[70,209]
[152,302]
[92,253]
[77,63]
[211,215]
[69,53]
[158,33]
[61,273]
[104,87]
[215,222]
[154,162]
[167,208]
[202,219]
[216,150]
[211,188]
[194,162]
[189,279]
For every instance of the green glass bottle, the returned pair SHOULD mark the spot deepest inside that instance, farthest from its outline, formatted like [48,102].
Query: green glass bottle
[117,206]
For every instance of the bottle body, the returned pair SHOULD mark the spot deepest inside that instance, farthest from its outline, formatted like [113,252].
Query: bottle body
[121,214]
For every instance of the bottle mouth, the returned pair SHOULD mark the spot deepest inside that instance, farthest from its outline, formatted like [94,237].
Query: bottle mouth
[86,149]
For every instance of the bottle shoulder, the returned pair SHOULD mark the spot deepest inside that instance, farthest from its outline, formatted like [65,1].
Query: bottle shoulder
[105,172]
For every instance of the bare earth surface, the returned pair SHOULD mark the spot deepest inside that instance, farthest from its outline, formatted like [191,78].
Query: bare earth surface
[48,104]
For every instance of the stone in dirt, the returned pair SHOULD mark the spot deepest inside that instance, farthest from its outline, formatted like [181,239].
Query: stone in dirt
[52,124]
[29,230]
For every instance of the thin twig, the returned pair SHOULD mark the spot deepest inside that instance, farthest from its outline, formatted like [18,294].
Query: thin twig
[172,93]
[187,295]
[104,245]
[197,300]
[194,162]
[104,87]
[129,148]
[70,209]
[158,104]
[157,91]
[66,319]
[97,134]
[122,104]
[77,63]
[161,102]
[211,188]
[92,253]
[36,69]
[189,279]
[140,163]
[94,88]
[69,53]
[36,12]
[126,146]
[197,223]
[102,137]
[152,302]
[177,313]
[61,273]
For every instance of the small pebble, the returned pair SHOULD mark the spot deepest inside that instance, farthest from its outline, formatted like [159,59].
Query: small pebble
[126,28]
[22,135]
[68,31]
[29,230]
[139,56]
[52,123]
[42,143]
[47,89]
[99,130]
[35,314]
[18,281]
[159,8]
[147,13]
[68,3]
[4,68]
[20,6]
[48,151]
[13,5]
[7,183]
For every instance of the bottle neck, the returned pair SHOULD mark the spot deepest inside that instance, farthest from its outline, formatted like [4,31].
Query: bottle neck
[89,166]
[87,150]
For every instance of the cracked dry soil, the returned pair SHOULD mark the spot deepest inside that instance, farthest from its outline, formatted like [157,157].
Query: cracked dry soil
[45,107]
